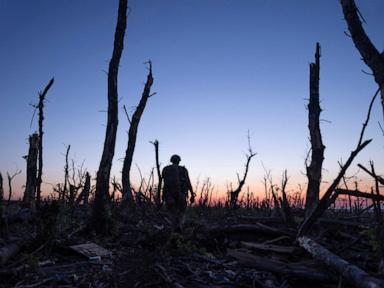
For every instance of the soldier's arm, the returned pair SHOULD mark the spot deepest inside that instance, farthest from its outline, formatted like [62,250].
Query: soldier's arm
[189,182]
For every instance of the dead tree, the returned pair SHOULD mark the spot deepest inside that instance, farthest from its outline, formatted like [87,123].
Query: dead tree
[350,273]
[379,220]
[284,203]
[10,178]
[64,193]
[84,195]
[30,186]
[132,135]
[234,194]
[371,56]
[317,147]
[357,193]
[40,106]
[101,209]
[1,201]
[330,195]
[159,177]
[376,177]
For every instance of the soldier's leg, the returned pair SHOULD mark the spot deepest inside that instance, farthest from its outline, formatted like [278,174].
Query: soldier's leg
[171,205]
[181,207]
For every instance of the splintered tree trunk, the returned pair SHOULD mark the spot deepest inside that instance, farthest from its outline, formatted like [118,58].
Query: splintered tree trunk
[1,200]
[234,195]
[330,195]
[84,195]
[351,273]
[30,186]
[10,178]
[370,55]
[317,147]
[132,134]
[159,177]
[66,176]
[41,118]
[101,208]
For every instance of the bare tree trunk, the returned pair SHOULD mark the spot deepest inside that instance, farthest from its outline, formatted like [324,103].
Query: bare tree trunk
[10,178]
[351,273]
[1,201]
[101,209]
[357,193]
[63,196]
[330,196]
[84,195]
[371,56]
[30,186]
[317,147]
[376,177]
[235,193]
[379,220]
[132,134]
[41,118]
[160,179]
[286,209]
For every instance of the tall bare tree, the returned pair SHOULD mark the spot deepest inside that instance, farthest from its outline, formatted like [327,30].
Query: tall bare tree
[371,56]
[40,106]
[317,147]
[159,177]
[132,135]
[30,186]
[101,208]
[64,193]
[234,194]
[1,198]
[330,195]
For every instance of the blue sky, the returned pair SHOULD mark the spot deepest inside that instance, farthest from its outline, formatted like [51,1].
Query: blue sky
[221,68]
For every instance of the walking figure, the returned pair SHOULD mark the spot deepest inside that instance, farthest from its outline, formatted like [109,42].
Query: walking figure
[175,191]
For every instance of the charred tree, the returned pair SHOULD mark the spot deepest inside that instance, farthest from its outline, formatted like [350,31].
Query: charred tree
[30,186]
[101,209]
[3,222]
[285,207]
[371,56]
[10,178]
[84,195]
[132,135]
[330,195]
[64,193]
[1,199]
[234,195]
[376,177]
[351,273]
[317,147]
[159,177]
[41,119]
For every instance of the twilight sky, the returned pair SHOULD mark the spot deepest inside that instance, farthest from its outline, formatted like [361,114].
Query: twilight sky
[221,67]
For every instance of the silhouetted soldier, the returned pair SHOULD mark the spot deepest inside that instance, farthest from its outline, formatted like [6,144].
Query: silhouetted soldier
[175,191]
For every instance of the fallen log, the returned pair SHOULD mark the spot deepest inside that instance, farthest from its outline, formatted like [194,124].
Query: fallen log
[281,268]
[255,228]
[269,247]
[358,193]
[351,273]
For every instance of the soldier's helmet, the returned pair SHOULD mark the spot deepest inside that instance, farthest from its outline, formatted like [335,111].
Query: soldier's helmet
[175,159]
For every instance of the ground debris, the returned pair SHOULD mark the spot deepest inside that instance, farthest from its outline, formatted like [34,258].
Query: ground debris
[214,250]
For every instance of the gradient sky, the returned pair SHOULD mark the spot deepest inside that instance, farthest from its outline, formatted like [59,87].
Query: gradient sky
[221,67]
